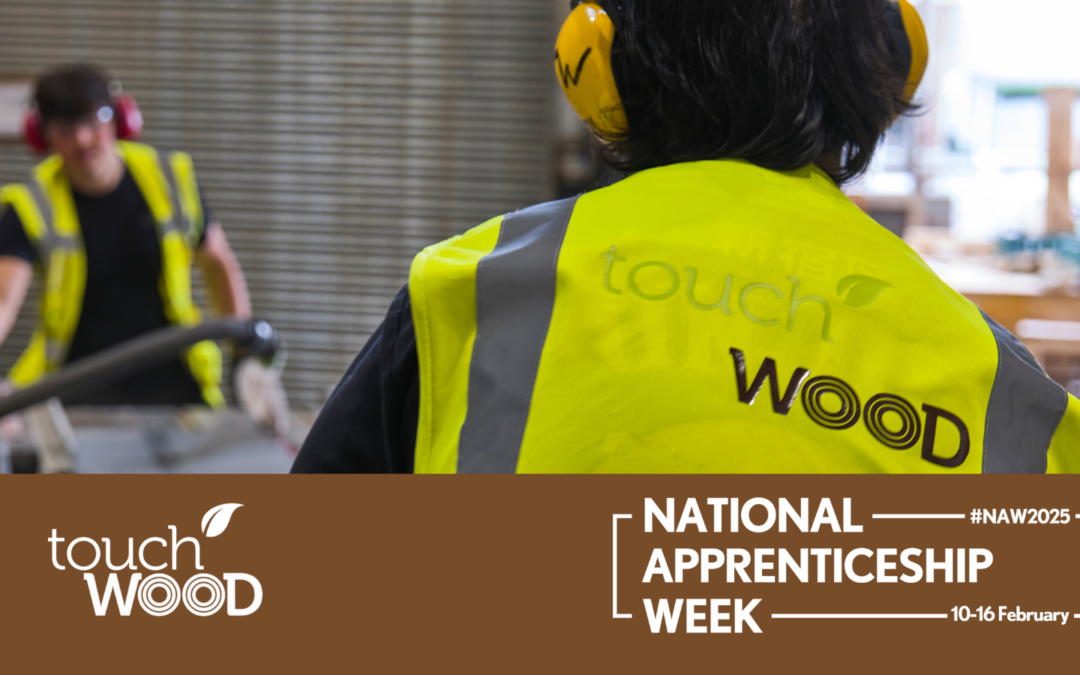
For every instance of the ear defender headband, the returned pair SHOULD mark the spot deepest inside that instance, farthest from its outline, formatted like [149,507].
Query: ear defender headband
[909,42]
[583,59]
[122,109]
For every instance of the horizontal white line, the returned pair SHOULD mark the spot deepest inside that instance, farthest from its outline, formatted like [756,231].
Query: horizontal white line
[919,515]
[860,616]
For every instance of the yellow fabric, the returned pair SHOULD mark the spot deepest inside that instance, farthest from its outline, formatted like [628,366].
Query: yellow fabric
[176,280]
[61,302]
[54,183]
[19,198]
[142,162]
[188,198]
[583,66]
[204,360]
[32,363]
[659,277]
[672,359]
[65,271]
[444,318]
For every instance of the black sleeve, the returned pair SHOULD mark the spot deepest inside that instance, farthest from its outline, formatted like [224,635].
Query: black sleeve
[369,423]
[13,239]
[208,218]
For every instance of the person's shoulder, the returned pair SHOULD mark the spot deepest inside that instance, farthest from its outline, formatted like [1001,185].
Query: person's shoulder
[436,260]
[487,230]
[482,239]
[9,216]
[537,215]
[14,241]
[135,149]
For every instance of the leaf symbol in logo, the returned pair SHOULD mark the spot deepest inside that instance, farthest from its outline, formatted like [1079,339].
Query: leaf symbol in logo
[217,519]
[864,290]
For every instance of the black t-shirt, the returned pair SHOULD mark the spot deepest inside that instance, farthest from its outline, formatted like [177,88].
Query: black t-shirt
[369,423]
[122,299]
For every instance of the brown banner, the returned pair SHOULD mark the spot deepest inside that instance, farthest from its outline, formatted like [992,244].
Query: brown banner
[518,574]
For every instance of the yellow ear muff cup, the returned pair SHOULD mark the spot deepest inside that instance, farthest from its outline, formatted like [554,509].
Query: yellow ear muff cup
[583,66]
[920,47]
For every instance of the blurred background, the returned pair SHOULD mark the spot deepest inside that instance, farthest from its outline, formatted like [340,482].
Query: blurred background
[984,180]
[336,138]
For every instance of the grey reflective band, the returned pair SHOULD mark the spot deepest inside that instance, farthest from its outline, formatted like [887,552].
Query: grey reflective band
[43,204]
[47,242]
[51,241]
[55,350]
[180,220]
[515,297]
[1025,409]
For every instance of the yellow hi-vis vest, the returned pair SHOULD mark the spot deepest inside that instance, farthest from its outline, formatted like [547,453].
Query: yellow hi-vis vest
[47,211]
[716,317]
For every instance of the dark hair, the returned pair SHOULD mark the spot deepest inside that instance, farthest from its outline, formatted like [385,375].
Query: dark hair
[775,82]
[72,92]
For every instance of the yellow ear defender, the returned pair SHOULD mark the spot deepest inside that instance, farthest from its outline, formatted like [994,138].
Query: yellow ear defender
[583,59]
[583,65]
[910,38]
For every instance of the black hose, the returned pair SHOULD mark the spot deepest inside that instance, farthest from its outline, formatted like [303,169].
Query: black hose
[146,351]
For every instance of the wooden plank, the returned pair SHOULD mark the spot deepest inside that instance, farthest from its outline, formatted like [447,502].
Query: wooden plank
[1059,100]
[1009,309]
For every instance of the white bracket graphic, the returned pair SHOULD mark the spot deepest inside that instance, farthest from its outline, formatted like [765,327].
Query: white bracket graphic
[615,566]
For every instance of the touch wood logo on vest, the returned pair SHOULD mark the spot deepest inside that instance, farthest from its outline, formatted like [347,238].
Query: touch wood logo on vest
[741,299]
[665,281]
[817,392]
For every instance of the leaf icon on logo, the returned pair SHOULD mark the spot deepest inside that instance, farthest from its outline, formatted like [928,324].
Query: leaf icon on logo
[217,519]
[864,290]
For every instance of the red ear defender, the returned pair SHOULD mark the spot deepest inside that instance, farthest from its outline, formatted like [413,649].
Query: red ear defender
[32,132]
[129,119]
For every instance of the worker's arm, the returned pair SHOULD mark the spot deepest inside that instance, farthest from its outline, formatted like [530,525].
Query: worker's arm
[369,423]
[15,277]
[224,278]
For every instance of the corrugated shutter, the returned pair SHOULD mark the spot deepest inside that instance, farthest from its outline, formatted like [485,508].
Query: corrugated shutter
[334,139]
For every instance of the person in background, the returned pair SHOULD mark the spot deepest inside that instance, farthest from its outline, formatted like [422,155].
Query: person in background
[113,227]
[725,308]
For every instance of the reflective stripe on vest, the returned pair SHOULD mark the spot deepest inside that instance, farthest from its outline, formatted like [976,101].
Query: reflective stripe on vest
[693,318]
[515,295]
[1025,409]
[46,208]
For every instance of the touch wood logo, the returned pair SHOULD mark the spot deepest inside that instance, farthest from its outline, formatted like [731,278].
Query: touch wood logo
[159,593]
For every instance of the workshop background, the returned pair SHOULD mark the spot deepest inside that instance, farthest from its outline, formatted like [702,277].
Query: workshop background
[334,139]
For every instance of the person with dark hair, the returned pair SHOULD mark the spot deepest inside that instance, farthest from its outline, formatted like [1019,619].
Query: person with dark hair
[113,226]
[723,308]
